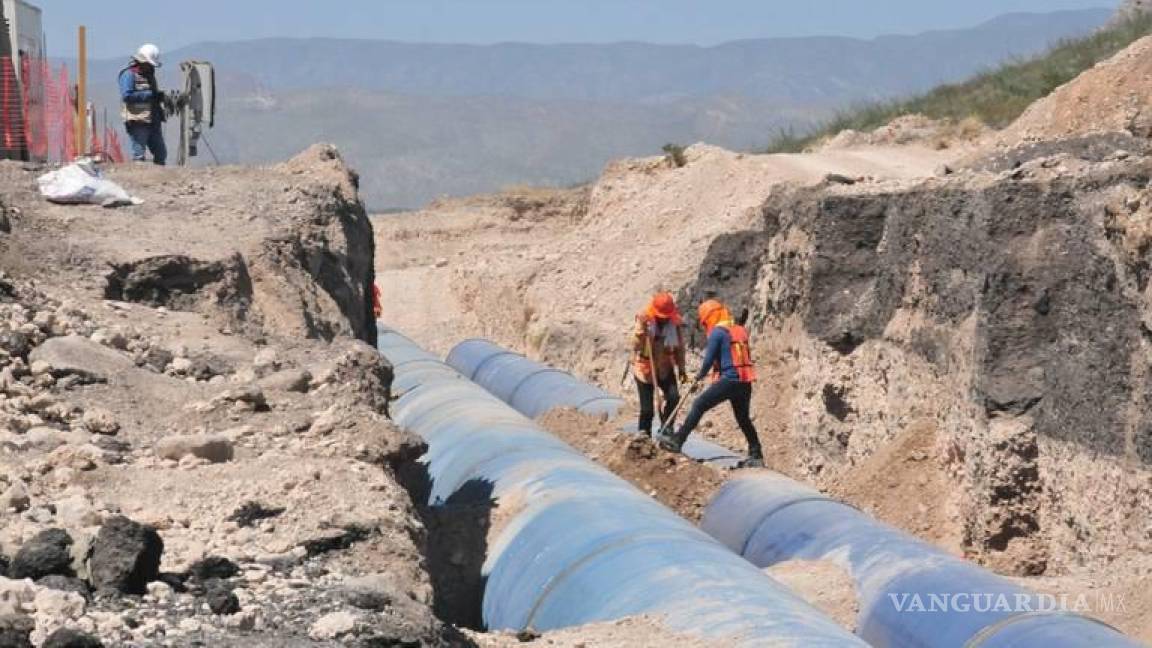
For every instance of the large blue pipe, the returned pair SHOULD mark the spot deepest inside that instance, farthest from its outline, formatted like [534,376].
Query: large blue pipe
[534,389]
[769,518]
[911,593]
[579,545]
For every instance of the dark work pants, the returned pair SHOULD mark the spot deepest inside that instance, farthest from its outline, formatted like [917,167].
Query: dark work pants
[648,394]
[147,137]
[739,394]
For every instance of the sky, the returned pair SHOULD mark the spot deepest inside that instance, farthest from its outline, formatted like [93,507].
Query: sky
[117,27]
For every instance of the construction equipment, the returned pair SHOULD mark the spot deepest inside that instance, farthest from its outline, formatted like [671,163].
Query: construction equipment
[195,106]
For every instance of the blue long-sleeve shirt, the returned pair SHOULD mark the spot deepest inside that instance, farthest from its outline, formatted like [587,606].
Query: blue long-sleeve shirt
[128,91]
[719,351]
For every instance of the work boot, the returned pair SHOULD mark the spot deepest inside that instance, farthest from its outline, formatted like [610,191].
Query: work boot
[669,442]
[752,462]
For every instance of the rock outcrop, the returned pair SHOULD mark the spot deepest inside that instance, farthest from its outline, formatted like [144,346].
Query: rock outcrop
[1008,315]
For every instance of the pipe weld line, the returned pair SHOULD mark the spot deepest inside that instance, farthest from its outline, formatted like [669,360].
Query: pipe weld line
[559,578]
[485,361]
[991,631]
[538,372]
[773,511]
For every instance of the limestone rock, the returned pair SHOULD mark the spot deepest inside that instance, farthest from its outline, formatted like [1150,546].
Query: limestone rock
[14,595]
[213,448]
[78,356]
[333,626]
[59,605]
[289,380]
[373,592]
[101,421]
[15,498]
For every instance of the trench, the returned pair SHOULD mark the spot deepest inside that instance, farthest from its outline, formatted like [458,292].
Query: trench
[455,544]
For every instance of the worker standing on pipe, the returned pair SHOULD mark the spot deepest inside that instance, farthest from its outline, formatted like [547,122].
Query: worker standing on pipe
[658,350]
[142,106]
[728,358]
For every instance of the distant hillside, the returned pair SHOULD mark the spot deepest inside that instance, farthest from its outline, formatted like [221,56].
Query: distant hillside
[422,121]
[995,97]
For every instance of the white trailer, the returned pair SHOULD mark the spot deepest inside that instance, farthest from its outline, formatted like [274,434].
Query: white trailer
[26,33]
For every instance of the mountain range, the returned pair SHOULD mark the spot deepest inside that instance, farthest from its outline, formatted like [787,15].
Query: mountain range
[426,120]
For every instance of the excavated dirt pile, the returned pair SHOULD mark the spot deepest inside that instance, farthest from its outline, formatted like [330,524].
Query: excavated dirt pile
[1115,96]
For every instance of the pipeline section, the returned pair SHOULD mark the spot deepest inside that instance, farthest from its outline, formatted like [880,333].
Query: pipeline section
[534,389]
[577,544]
[769,518]
[911,593]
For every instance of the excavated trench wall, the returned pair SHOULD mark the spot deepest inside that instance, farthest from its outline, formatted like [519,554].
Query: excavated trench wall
[1009,314]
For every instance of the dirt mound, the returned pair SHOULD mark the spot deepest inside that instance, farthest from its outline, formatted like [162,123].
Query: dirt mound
[679,483]
[911,129]
[286,250]
[1114,96]
[822,583]
[633,632]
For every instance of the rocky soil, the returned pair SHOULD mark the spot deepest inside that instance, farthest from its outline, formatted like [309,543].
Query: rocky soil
[1112,97]
[194,448]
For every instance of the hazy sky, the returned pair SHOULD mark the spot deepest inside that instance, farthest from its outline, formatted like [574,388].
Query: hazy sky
[117,26]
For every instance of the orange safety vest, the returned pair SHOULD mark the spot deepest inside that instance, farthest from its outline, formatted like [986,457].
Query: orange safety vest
[741,354]
[666,356]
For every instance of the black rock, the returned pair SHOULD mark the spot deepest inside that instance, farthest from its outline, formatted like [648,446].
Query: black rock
[15,343]
[385,641]
[337,540]
[211,567]
[44,555]
[221,599]
[125,556]
[68,638]
[251,512]
[65,584]
[157,359]
[173,580]
[15,631]
[4,563]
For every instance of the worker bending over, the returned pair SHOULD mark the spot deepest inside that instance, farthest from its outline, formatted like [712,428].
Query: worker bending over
[729,359]
[658,340]
[142,105]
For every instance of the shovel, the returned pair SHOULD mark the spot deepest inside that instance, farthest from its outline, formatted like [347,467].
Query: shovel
[665,426]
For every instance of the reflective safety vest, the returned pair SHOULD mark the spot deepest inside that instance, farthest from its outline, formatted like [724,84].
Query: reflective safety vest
[648,333]
[139,111]
[741,354]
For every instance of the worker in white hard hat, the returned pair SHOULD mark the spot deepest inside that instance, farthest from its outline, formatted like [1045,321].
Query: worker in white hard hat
[143,105]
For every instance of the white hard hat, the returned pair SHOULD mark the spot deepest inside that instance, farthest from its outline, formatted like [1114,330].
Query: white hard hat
[148,53]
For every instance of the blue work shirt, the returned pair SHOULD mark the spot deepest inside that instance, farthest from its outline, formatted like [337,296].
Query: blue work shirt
[719,350]
[128,91]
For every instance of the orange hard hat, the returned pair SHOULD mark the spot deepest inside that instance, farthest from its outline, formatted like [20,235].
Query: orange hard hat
[711,312]
[664,306]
